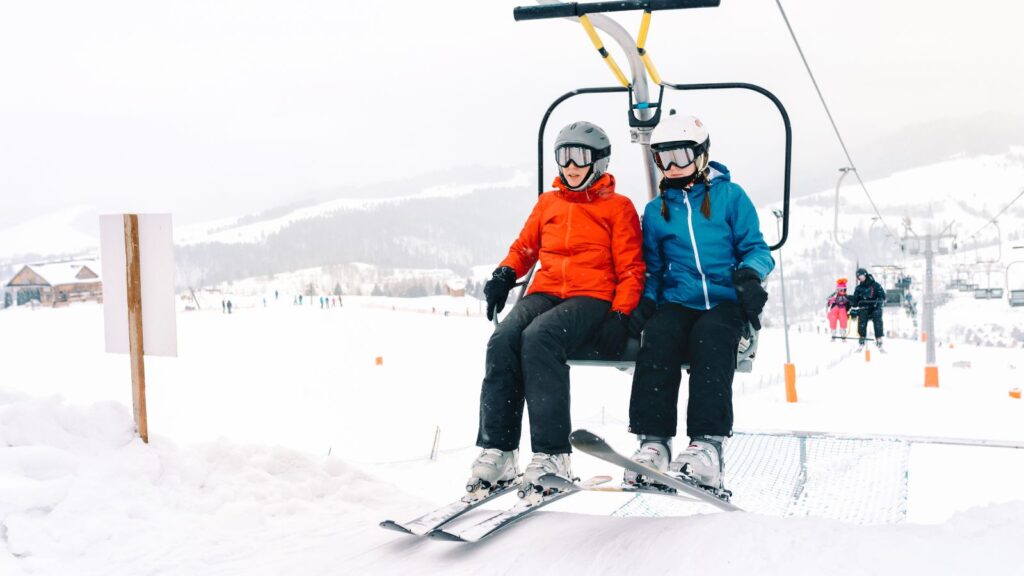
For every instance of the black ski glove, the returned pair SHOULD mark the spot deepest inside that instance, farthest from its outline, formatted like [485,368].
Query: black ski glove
[497,288]
[750,293]
[641,314]
[612,334]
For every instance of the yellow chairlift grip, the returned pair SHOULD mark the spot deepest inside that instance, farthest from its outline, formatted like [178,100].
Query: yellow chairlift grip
[641,40]
[604,53]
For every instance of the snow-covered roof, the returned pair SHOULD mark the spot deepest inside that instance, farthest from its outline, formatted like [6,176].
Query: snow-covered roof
[70,272]
[455,284]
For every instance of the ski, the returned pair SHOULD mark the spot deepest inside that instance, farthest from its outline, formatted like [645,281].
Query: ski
[526,506]
[594,445]
[436,518]
[557,482]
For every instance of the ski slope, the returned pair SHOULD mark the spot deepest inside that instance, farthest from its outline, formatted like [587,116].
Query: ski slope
[278,444]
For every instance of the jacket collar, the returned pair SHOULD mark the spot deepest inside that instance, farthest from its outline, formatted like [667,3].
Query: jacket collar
[718,174]
[601,187]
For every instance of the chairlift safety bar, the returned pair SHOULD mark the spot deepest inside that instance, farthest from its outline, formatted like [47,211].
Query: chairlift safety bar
[541,184]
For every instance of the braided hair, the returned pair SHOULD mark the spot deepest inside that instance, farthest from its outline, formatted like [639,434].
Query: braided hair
[705,206]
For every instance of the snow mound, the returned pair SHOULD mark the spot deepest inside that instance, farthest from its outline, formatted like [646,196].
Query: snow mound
[80,494]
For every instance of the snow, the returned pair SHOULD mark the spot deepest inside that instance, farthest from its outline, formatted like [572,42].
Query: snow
[57,233]
[278,444]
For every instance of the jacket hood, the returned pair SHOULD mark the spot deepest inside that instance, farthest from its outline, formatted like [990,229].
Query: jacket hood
[601,187]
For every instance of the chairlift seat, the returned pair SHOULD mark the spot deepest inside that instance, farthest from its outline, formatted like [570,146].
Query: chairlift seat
[627,361]
[894,297]
[1016,298]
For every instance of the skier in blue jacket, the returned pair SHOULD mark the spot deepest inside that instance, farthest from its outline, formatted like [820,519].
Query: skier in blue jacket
[706,260]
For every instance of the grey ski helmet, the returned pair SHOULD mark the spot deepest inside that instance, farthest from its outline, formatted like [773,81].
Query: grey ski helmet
[583,144]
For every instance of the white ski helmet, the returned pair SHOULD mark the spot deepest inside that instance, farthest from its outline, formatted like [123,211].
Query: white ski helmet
[584,144]
[680,140]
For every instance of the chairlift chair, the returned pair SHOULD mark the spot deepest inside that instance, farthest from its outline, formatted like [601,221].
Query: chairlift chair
[643,115]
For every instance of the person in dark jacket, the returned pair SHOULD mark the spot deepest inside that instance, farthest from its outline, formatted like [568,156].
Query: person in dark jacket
[706,259]
[587,239]
[869,299]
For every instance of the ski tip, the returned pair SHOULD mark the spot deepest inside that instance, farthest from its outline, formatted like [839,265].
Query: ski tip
[582,436]
[444,536]
[392,525]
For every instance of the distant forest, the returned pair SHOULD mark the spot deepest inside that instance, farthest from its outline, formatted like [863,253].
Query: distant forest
[456,233]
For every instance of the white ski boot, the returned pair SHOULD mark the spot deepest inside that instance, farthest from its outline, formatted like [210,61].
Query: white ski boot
[702,461]
[654,452]
[540,465]
[878,343]
[493,467]
[860,347]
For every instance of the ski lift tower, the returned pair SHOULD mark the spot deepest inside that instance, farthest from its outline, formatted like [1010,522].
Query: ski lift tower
[932,246]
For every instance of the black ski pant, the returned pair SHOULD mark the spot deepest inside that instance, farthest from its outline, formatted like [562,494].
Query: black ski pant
[526,358]
[709,339]
[873,315]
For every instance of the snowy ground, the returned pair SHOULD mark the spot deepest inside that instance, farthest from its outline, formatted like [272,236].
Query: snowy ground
[278,444]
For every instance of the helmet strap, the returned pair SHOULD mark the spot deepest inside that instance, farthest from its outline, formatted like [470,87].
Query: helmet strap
[586,182]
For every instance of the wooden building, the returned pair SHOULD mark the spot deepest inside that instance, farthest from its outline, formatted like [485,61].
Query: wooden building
[54,284]
[456,288]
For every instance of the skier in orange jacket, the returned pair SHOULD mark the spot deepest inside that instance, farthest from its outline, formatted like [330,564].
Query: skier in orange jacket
[587,238]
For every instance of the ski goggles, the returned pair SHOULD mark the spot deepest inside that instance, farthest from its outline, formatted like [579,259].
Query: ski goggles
[581,156]
[678,157]
[678,154]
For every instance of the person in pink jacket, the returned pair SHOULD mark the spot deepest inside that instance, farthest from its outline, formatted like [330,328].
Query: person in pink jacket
[838,309]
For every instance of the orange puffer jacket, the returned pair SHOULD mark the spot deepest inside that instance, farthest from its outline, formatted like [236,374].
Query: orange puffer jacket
[588,242]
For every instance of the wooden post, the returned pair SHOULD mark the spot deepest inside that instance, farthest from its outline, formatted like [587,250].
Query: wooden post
[135,347]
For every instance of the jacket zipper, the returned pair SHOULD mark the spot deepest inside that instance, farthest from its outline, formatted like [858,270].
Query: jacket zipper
[565,261]
[696,256]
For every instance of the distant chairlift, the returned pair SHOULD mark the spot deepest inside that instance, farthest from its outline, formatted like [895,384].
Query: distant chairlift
[1016,294]
[643,116]
[895,291]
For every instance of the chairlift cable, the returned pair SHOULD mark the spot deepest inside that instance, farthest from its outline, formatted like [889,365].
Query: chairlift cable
[996,217]
[828,113]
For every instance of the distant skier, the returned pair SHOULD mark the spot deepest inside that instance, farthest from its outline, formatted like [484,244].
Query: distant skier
[869,299]
[706,259]
[838,308]
[229,306]
[587,238]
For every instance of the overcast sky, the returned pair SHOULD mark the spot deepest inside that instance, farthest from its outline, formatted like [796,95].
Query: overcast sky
[206,108]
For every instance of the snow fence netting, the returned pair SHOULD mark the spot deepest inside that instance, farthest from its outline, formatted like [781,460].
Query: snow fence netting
[858,480]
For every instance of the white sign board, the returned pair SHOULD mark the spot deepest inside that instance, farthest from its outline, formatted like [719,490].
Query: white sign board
[156,253]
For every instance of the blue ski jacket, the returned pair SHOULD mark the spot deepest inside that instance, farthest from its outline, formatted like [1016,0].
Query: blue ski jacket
[690,259]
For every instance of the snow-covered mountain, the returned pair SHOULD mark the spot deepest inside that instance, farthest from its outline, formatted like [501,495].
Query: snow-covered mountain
[963,194]
[461,224]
